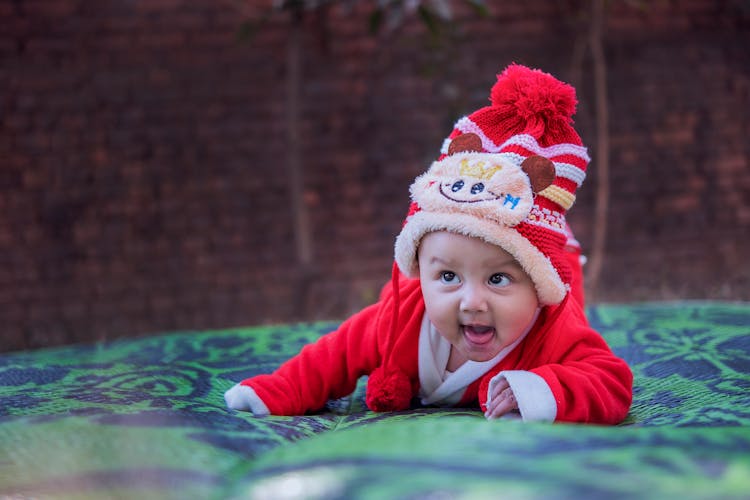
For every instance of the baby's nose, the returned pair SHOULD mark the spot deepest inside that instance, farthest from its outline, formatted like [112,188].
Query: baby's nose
[473,299]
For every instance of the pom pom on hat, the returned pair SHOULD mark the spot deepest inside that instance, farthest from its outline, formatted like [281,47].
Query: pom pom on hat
[533,94]
[532,102]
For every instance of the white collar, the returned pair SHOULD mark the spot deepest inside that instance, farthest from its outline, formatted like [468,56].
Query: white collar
[439,387]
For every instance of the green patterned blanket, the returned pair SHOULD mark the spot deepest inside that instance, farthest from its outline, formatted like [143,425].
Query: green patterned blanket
[145,418]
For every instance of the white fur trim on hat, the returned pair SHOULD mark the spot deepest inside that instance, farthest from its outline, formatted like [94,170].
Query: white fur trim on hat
[549,286]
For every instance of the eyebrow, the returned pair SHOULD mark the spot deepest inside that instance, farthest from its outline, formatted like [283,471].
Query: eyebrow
[438,260]
[509,262]
[504,263]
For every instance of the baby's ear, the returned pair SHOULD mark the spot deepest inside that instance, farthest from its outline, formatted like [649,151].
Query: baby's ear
[541,172]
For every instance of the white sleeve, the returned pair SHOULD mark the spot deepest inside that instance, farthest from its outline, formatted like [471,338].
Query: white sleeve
[535,400]
[244,398]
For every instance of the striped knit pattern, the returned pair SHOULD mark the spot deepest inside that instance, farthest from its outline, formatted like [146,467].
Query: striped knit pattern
[570,159]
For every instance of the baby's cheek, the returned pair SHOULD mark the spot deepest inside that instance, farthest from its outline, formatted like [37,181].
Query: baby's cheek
[439,309]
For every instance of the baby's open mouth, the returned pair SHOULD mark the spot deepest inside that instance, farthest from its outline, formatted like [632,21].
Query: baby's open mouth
[478,334]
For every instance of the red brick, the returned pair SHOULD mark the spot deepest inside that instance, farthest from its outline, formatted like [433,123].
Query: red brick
[145,156]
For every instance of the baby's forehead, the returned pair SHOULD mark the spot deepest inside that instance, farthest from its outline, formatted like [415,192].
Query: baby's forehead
[449,247]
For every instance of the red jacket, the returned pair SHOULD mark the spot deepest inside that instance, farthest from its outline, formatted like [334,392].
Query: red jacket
[588,382]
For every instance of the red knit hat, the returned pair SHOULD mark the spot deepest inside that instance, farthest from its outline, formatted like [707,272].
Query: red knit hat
[507,173]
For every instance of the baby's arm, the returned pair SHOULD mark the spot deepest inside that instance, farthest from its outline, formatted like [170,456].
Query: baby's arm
[326,369]
[589,385]
[574,377]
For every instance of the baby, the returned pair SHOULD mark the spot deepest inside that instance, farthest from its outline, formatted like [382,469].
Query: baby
[485,305]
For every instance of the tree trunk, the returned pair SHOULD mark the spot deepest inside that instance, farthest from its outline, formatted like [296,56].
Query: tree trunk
[295,171]
[602,150]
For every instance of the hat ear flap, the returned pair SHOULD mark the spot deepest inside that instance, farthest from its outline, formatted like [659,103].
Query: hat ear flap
[540,170]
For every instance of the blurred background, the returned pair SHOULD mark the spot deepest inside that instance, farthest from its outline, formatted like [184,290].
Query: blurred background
[189,165]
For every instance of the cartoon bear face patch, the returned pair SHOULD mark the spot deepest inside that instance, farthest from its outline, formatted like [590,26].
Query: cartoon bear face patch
[485,185]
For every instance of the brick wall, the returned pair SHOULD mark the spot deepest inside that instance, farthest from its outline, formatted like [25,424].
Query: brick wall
[144,150]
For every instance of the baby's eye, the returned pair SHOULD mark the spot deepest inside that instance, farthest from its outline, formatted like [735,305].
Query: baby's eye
[448,277]
[499,279]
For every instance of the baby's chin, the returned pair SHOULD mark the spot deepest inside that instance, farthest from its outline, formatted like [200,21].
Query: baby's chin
[480,356]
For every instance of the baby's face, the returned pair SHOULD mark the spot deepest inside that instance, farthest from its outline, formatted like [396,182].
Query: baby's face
[476,294]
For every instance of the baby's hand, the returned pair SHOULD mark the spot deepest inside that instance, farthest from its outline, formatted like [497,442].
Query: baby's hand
[243,398]
[502,400]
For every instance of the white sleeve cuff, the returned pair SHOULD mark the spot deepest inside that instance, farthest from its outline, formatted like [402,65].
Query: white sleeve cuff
[535,399]
[244,398]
